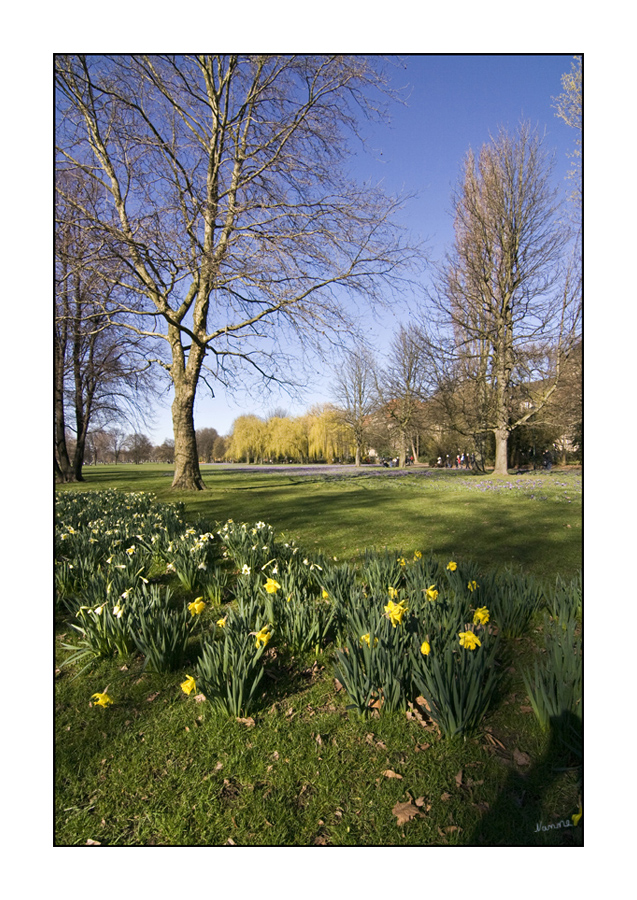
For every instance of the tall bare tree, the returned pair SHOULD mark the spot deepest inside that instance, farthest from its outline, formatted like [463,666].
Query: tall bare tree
[509,292]
[568,107]
[355,394]
[230,206]
[101,374]
[403,386]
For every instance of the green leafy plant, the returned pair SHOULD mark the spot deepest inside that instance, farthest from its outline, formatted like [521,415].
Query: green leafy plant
[230,670]
[105,632]
[512,600]
[457,682]
[374,665]
[554,684]
[564,602]
[161,635]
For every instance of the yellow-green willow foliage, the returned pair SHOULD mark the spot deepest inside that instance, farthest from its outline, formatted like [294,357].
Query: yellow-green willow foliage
[248,439]
[318,435]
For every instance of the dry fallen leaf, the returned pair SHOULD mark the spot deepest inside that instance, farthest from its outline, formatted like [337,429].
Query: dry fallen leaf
[91,843]
[404,812]
[459,778]
[526,709]
[389,773]
[249,722]
[522,759]
[199,698]
[152,697]
[445,796]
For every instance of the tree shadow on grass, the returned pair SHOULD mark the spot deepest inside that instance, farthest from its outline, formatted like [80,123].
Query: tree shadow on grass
[518,816]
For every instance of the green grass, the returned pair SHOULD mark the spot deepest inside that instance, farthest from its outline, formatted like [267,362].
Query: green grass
[529,521]
[160,768]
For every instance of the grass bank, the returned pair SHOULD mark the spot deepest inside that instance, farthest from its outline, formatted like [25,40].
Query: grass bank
[531,521]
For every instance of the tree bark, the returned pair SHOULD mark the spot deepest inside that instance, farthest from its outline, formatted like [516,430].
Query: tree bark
[187,473]
[501,449]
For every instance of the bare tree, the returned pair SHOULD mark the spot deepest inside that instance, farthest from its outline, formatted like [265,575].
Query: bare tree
[206,438]
[403,386]
[101,373]
[568,107]
[230,206]
[509,292]
[139,448]
[356,395]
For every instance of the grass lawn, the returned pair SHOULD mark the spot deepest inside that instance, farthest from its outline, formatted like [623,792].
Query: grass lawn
[531,521]
[162,768]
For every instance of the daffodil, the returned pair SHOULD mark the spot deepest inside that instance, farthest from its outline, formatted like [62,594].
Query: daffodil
[472,586]
[222,622]
[245,570]
[395,612]
[402,561]
[197,606]
[272,586]
[263,636]
[481,616]
[117,612]
[425,649]
[417,555]
[577,816]
[366,638]
[468,640]
[101,699]
[188,685]
[452,566]
[393,593]
[325,595]
[130,550]
[431,593]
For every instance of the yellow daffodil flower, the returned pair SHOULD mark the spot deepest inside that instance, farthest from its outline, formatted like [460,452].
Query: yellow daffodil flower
[101,699]
[431,593]
[577,816]
[188,686]
[263,637]
[473,586]
[452,566]
[395,612]
[417,555]
[366,638]
[402,561]
[325,595]
[196,606]
[481,616]
[222,622]
[425,648]
[272,586]
[468,640]
[130,550]
[393,593]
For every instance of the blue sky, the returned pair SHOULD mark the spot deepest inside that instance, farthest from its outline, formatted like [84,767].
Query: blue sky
[453,102]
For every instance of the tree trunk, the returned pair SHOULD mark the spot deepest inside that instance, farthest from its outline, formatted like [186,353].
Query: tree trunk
[501,447]
[187,472]
[358,455]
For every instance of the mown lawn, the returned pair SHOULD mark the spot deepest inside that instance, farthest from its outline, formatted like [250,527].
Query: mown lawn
[161,768]
[531,521]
